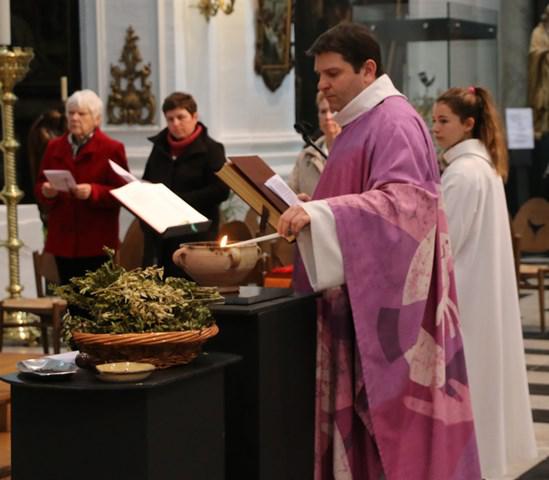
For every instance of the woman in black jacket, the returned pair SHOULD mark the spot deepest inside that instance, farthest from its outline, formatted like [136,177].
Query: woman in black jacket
[185,159]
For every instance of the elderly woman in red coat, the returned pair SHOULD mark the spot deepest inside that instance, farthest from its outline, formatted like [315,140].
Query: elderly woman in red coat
[84,219]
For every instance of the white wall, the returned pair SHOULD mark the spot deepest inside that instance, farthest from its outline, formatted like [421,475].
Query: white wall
[211,60]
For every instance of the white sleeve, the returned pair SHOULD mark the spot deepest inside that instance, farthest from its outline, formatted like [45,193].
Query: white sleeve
[461,197]
[319,247]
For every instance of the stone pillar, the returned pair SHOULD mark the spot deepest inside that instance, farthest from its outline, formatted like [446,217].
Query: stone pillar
[514,40]
[515,27]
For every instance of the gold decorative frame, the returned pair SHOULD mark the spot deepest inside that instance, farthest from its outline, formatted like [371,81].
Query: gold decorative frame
[131,100]
[273,57]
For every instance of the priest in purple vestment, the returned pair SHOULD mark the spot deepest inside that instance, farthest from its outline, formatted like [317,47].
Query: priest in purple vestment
[392,399]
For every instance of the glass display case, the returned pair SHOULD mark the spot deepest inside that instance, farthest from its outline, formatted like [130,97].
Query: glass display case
[429,46]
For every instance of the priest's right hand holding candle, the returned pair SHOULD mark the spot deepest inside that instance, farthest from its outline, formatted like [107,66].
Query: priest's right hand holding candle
[294,219]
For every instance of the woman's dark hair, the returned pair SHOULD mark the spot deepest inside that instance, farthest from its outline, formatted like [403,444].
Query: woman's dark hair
[353,42]
[477,103]
[179,100]
[50,124]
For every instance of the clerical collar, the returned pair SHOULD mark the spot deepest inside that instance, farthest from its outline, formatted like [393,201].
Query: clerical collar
[471,146]
[77,144]
[371,96]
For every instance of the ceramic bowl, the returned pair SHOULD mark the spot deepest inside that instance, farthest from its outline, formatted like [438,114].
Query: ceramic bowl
[208,264]
[124,371]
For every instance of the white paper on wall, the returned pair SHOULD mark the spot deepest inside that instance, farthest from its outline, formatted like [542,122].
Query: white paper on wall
[520,128]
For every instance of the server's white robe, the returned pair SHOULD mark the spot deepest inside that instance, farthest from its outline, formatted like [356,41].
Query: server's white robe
[488,301]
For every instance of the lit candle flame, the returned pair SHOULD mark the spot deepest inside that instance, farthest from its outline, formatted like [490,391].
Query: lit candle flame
[223,241]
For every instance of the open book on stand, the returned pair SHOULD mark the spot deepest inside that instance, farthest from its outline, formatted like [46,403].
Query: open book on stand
[158,206]
[256,183]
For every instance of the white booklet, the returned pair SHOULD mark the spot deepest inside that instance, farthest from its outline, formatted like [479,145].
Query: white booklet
[122,172]
[159,207]
[61,180]
[277,184]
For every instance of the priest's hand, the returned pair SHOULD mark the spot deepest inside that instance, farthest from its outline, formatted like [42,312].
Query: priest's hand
[292,221]
[303,197]
[82,191]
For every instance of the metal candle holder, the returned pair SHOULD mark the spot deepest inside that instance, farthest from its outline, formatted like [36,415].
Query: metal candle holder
[14,65]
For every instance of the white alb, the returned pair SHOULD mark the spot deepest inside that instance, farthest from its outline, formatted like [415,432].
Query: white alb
[489,309]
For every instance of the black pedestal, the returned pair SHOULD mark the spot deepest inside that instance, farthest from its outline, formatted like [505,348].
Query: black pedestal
[270,393]
[518,187]
[170,426]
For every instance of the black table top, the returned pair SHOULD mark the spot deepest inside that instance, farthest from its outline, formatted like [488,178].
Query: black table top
[262,306]
[86,379]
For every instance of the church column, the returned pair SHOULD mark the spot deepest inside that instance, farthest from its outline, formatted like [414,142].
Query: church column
[514,41]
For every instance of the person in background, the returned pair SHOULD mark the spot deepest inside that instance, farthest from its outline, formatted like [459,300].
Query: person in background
[52,123]
[467,126]
[538,99]
[538,75]
[85,219]
[185,159]
[310,163]
[392,396]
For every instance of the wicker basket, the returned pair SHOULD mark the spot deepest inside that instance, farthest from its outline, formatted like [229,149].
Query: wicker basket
[163,349]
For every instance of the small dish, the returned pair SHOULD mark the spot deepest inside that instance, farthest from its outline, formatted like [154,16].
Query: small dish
[46,367]
[124,371]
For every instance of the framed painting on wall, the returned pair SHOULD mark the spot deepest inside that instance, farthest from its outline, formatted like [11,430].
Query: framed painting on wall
[273,57]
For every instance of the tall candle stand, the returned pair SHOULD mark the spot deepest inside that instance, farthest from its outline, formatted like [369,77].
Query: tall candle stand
[14,65]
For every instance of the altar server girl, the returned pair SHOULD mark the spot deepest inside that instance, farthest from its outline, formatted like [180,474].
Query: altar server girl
[467,126]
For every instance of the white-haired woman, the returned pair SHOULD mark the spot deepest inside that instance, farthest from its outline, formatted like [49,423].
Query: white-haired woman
[84,219]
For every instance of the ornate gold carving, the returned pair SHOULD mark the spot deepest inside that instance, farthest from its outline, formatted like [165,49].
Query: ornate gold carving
[209,8]
[14,65]
[130,105]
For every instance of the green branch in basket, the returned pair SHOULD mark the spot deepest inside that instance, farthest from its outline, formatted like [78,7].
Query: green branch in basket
[114,300]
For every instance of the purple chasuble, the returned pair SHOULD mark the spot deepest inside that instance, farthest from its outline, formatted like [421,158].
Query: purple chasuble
[392,393]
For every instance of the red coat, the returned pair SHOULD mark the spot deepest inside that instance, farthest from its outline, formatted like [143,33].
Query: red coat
[80,228]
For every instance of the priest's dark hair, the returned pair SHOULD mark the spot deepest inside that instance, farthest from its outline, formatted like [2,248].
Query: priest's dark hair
[179,100]
[353,42]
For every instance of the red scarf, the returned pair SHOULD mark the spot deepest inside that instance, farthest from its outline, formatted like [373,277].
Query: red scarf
[178,146]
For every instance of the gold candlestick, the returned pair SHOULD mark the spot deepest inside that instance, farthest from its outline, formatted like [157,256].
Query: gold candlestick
[14,65]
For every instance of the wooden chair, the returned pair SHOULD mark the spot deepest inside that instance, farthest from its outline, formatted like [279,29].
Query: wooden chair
[49,310]
[5,455]
[280,252]
[531,276]
[130,253]
[530,234]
